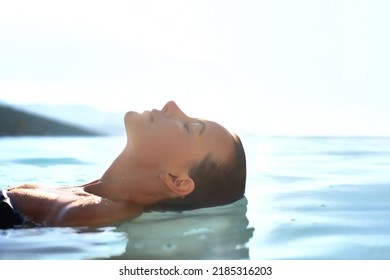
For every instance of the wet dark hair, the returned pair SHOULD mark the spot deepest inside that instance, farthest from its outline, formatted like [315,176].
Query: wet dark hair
[216,183]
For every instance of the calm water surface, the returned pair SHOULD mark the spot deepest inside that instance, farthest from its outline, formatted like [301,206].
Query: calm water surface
[307,198]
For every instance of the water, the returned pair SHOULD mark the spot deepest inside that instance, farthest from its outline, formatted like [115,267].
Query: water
[307,198]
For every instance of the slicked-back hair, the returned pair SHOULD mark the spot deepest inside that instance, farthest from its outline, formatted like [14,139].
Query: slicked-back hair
[216,183]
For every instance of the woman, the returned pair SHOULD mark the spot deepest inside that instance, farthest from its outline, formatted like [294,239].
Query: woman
[170,162]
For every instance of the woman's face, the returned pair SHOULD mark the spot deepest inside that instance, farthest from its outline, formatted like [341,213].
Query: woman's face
[170,139]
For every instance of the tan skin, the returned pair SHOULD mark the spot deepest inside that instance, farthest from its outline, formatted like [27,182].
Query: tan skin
[153,167]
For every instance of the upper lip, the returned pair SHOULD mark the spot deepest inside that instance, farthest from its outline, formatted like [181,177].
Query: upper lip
[153,114]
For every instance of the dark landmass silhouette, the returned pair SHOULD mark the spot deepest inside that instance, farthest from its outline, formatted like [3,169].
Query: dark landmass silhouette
[15,122]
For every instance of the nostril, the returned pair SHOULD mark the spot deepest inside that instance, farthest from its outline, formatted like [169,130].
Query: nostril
[165,108]
[168,105]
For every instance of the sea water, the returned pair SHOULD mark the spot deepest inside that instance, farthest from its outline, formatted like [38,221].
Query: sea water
[306,198]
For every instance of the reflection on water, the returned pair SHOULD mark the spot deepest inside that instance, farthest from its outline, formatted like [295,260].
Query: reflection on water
[60,243]
[211,233]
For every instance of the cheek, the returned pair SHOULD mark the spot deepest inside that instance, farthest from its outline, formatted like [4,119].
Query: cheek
[163,142]
[157,142]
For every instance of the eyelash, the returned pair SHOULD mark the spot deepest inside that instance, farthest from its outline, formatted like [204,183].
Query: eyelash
[187,127]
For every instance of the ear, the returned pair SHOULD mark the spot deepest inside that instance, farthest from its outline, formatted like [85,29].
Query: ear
[181,185]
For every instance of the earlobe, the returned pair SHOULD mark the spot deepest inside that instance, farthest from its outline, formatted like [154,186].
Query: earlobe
[181,185]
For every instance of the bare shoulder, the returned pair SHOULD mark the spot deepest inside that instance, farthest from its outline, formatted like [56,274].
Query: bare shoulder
[70,206]
[36,187]
[92,210]
[27,186]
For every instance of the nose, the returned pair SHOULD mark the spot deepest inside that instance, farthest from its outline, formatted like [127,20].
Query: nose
[172,110]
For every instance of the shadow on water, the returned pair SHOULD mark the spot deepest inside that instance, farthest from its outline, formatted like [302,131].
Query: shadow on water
[212,233]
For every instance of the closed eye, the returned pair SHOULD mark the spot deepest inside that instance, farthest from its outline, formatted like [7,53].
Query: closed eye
[189,125]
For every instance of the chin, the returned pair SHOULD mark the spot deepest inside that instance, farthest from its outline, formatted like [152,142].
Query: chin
[129,118]
[136,123]
[129,115]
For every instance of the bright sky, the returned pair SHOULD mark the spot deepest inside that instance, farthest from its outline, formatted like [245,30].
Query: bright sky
[275,67]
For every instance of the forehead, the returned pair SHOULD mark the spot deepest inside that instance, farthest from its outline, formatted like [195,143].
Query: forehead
[219,140]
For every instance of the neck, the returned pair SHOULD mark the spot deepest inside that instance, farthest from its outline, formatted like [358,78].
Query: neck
[115,180]
[125,180]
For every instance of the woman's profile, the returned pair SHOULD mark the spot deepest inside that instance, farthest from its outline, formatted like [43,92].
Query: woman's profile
[170,162]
